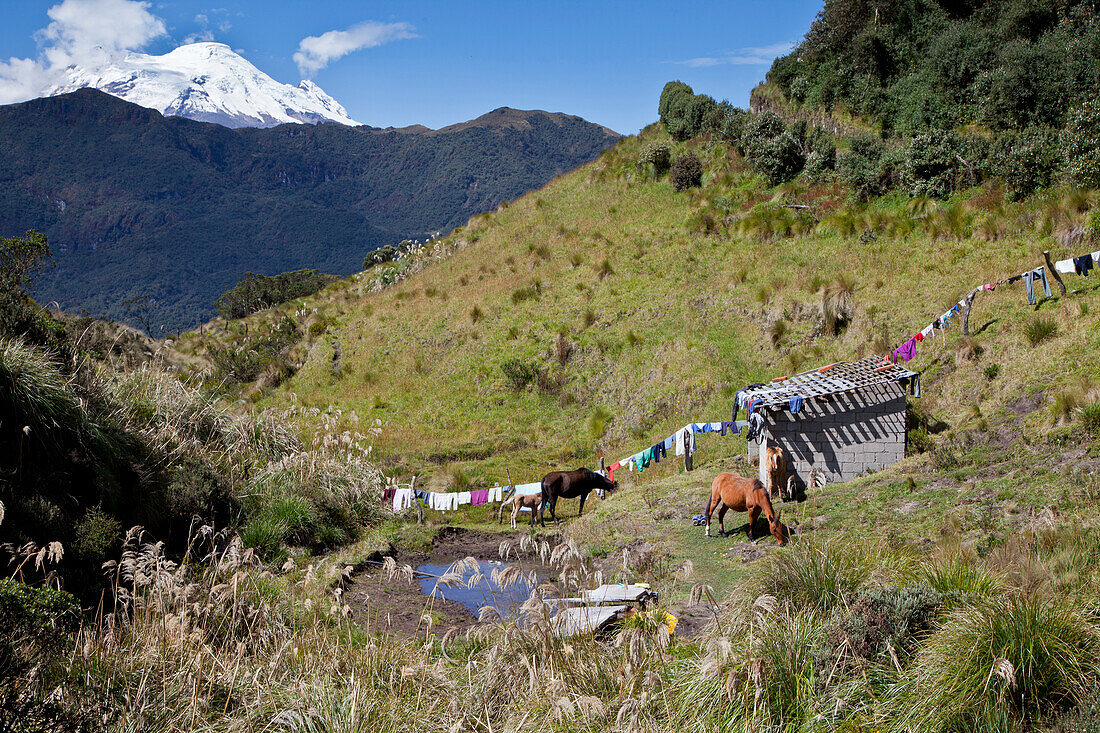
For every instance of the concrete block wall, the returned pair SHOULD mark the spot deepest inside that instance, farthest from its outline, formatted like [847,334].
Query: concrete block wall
[845,435]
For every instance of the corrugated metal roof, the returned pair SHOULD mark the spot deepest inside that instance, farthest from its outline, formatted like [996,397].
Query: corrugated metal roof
[832,379]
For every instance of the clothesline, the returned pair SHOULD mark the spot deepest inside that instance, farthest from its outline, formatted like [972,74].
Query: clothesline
[1074,265]
[683,441]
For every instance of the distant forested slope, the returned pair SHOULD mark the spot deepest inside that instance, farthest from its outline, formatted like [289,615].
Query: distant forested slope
[137,205]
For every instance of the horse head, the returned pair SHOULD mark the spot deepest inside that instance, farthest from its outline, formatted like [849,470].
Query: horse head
[778,529]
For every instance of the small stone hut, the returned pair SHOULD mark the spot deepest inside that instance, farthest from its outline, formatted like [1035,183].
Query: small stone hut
[851,420]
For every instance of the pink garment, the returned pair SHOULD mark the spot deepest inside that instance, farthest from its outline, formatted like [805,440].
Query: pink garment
[479,497]
[906,351]
[612,469]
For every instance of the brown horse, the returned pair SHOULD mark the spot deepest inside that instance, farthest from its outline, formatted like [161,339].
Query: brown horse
[743,495]
[777,470]
[531,501]
[570,485]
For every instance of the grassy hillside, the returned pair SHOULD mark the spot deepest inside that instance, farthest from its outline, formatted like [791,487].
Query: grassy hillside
[639,321]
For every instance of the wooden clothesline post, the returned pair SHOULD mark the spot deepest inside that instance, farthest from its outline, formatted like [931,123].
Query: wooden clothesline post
[1050,268]
[966,315]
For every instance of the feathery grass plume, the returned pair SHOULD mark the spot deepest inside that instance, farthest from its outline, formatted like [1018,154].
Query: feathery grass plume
[998,665]
[838,303]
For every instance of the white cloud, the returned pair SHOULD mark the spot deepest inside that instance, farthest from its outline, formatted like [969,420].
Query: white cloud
[752,56]
[83,29]
[316,52]
[204,34]
[83,32]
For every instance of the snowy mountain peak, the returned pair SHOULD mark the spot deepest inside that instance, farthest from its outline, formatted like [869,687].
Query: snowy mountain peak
[208,82]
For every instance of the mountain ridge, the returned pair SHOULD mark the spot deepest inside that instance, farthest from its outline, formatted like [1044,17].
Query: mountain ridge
[139,204]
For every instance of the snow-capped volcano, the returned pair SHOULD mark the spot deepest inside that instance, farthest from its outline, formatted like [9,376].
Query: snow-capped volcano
[208,82]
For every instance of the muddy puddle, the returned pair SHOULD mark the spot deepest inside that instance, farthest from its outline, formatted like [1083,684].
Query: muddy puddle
[445,587]
[480,584]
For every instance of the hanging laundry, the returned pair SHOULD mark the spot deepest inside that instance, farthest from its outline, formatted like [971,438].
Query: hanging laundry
[529,489]
[643,459]
[479,497]
[1065,267]
[670,442]
[612,469]
[464,498]
[1039,273]
[422,495]
[659,452]
[387,494]
[402,499]
[685,440]
[906,351]
[796,404]
[927,331]
[756,428]
[1082,264]
[496,493]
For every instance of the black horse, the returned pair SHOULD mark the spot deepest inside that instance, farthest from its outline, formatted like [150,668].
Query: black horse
[570,485]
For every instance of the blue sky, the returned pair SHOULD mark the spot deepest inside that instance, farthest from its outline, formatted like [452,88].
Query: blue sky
[436,63]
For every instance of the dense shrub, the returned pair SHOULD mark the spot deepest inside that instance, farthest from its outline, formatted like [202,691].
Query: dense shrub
[22,259]
[198,490]
[98,534]
[1081,144]
[780,159]
[758,131]
[880,624]
[911,66]
[254,292]
[655,157]
[861,168]
[674,97]
[246,361]
[1026,161]
[682,111]
[519,373]
[686,172]
[733,125]
[931,164]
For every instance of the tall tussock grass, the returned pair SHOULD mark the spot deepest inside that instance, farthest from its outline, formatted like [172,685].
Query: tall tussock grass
[845,636]
[997,666]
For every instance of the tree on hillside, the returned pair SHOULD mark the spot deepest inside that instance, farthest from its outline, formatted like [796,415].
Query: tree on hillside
[22,259]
